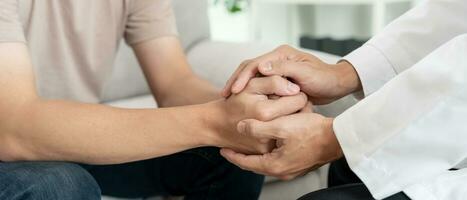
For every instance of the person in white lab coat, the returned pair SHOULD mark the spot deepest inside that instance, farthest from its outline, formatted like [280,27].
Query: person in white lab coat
[408,134]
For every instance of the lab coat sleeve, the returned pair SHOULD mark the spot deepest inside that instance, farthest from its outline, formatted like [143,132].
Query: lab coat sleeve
[450,185]
[413,127]
[407,40]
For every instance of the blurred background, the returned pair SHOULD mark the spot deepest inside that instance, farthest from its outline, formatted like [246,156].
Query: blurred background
[333,26]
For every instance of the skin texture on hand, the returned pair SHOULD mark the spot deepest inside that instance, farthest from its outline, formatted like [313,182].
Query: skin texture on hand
[305,141]
[254,102]
[322,82]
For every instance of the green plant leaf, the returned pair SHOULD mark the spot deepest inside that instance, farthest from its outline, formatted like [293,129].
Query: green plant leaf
[233,6]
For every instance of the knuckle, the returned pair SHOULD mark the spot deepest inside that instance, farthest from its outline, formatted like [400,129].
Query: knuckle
[264,114]
[250,128]
[263,148]
[284,47]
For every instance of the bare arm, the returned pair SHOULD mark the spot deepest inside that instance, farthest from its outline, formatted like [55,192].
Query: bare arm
[172,81]
[33,128]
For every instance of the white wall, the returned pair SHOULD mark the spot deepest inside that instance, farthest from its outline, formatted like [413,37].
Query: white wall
[228,27]
[276,22]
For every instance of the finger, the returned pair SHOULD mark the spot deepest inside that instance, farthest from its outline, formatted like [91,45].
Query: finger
[274,85]
[251,69]
[308,108]
[268,123]
[271,109]
[244,76]
[228,86]
[290,69]
[247,162]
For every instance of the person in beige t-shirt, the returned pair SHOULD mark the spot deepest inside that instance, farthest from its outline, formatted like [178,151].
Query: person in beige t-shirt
[55,56]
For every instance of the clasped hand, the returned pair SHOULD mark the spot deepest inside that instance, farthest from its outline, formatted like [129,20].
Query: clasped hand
[254,102]
[304,140]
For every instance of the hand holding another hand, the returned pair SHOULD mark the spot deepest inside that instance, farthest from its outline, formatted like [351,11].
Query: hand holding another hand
[305,141]
[254,103]
[322,82]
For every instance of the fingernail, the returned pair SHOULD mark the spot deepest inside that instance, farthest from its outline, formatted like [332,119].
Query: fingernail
[293,87]
[267,67]
[241,127]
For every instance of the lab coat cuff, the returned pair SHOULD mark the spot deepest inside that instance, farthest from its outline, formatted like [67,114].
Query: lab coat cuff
[419,191]
[373,68]
[376,177]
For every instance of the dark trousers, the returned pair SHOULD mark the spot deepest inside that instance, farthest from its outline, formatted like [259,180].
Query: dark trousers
[343,184]
[196,174]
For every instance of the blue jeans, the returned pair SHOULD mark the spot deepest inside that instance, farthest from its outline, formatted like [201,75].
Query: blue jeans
[46,180]
[197,174]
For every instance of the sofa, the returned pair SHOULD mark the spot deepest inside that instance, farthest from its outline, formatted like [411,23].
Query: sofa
[214,61]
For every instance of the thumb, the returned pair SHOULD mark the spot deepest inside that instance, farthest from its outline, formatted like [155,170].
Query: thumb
[289,69]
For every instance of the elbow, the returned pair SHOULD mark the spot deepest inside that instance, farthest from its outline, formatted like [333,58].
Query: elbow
[7,154]
[12,151]
[12,145]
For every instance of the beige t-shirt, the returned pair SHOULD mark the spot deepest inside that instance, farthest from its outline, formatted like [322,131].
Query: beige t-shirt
[73,42]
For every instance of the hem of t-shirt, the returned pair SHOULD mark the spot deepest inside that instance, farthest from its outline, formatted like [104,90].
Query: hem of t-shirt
[13,41]
[12,34]
[149,38]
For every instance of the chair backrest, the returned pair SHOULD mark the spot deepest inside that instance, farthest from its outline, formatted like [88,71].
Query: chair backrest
[127,79]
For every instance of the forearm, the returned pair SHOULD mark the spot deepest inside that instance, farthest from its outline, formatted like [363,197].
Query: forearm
[67,131]
[192,90]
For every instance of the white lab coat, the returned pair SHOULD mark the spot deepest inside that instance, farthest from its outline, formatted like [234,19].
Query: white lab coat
[412,127]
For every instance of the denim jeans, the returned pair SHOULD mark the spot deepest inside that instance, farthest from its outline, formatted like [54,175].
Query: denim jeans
[197,174]
[200,174]
[46,181]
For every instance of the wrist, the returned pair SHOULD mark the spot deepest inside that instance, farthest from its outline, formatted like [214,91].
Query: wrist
[214,120]
[349,81]
[334,150]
